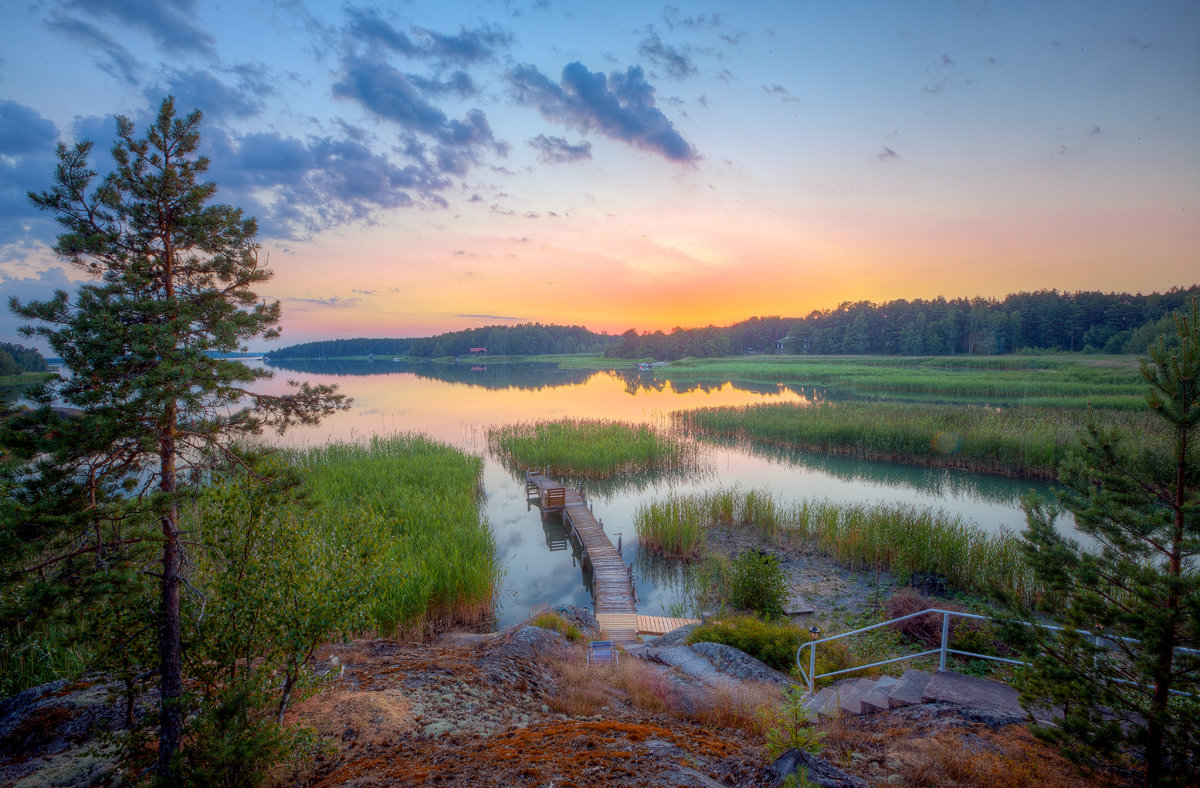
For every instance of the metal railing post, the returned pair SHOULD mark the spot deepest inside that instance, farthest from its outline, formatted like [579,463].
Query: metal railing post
[812,666]
[945,641]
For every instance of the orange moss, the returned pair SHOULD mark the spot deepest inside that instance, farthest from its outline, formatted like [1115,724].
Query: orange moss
[565,753]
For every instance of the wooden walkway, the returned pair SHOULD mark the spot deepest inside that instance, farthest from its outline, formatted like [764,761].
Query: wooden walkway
[613,591]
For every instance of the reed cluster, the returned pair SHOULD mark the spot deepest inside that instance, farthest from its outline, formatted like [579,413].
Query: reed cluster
[412,508]
[901,538]
[590,449]
[674,526]
[1027,441]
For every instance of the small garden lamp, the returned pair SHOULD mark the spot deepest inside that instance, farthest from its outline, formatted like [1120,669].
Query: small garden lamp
[814,631]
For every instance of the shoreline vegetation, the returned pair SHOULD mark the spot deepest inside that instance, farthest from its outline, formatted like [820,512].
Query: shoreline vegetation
[412,508]
[903,539]
[1024,441]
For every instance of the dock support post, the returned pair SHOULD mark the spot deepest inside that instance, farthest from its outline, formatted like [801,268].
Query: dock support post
[619,544]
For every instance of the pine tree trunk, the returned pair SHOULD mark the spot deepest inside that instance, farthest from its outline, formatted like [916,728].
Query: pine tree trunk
[170,662]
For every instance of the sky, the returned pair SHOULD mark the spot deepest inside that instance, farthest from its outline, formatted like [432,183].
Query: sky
[420,167]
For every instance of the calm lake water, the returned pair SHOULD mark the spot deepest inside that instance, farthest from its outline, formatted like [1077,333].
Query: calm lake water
[457,403]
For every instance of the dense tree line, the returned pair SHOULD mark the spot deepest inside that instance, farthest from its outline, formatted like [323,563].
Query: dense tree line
[15,359]
[1042,320]
[527,339]
[756,335]
[343,348]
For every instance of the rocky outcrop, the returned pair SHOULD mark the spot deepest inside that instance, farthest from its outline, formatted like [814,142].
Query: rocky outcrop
[814,770]
[717,665]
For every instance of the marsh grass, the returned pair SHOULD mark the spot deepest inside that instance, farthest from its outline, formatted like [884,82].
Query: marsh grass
[1026,441]
[1066,380]
[411,509]
[904,539]
[590,449]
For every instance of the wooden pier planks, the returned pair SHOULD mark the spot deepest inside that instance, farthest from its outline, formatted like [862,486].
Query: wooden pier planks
[661,625]
[616,608]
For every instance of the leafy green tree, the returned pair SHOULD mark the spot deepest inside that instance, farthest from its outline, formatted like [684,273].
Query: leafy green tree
[1126,670]
[174,287]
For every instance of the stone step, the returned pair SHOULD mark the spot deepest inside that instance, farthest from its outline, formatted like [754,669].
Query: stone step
[908,690]
[876,699]
[866,696]
[851,694]
[950,687]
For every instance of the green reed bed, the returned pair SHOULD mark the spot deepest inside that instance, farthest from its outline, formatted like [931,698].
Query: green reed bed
[590,449]
[1019,441]
[675,525]
[1068,381]
[902,539]
[413,507]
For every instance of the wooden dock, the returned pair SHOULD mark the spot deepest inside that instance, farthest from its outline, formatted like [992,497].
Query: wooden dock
[614,593]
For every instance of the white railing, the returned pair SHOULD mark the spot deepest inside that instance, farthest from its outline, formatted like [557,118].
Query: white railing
[810,676]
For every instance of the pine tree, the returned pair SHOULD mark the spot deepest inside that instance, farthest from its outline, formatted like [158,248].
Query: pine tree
[1126,670]
[174,288]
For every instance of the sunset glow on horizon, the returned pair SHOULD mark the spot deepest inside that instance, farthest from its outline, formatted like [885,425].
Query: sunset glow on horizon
[434,167]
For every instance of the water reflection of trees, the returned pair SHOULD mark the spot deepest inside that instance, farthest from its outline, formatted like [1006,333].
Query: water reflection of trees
[526,375]
[933,481]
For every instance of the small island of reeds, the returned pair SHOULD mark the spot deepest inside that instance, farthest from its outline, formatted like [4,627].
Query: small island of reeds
[590,449]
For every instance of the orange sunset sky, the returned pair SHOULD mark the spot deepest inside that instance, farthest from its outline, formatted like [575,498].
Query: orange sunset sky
[435,166]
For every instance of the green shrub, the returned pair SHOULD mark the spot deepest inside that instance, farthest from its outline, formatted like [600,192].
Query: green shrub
[757,583]
[772,644]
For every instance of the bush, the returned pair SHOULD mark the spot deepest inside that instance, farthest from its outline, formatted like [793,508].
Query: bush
[965,634]
[758,584]
[772,644]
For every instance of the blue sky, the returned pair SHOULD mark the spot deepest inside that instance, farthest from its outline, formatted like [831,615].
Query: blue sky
[419,167]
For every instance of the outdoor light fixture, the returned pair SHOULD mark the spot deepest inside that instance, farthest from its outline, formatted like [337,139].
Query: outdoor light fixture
[815,631]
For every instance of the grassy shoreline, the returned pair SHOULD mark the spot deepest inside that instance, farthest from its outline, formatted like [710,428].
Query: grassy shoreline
[1025,441]
[1066,380]
[413,508]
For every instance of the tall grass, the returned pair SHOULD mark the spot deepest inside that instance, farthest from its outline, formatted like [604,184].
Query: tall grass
[901,538]
[590,449]
[1020,441]
[674,526]
[412,507]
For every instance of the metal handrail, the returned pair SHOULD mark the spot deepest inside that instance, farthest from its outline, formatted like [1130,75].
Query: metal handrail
[811,675]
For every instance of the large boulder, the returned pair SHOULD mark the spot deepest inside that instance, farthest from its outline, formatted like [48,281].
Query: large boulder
[739,665]
[717,665]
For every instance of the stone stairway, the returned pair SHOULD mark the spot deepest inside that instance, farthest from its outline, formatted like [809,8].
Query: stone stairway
[866,695]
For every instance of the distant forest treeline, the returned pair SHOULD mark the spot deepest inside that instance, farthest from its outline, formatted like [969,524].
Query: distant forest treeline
[528,339]
[1043,320]
[343,348]
[16,359]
